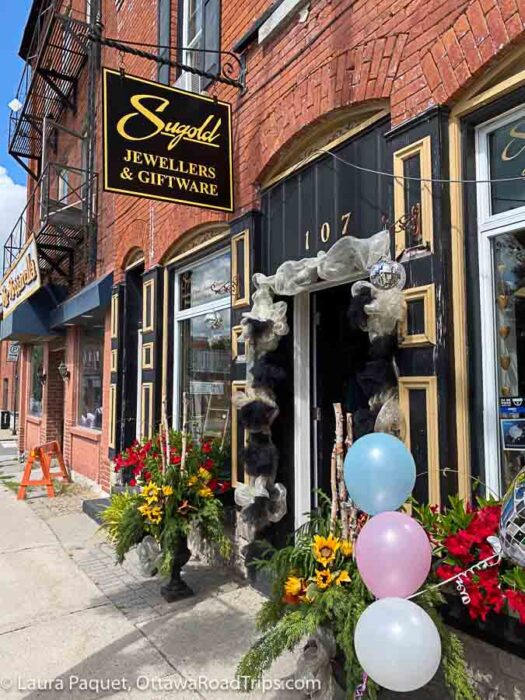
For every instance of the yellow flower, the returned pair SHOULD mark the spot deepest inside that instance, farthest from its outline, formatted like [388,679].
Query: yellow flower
[205,492]
[144,510]
[155,515]
[346,548]
[167,490]
[151,492]
[344,577]
[324,548]
[204,475]
[293,585]
[323,578]
[192,481]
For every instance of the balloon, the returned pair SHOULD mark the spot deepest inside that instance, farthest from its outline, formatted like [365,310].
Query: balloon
[397,644]
[380,473]
[512,522]
[393,555]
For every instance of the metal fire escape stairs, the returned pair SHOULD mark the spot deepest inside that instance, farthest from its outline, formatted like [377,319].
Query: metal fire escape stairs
[61,205]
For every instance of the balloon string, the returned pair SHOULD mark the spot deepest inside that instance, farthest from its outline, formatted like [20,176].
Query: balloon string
[472,478]
[479,565]
[361,688]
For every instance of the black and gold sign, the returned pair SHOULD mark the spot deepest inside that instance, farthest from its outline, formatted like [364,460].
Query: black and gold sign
[164,143]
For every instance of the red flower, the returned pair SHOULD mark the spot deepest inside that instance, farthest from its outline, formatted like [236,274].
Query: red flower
[206,447]
[176,459]
[219,486]
[133,482]
[484,523]
[446,571]
[209,464]
[459,545]
[146,475]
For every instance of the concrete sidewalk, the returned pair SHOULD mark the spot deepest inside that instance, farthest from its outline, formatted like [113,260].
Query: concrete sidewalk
[70,617]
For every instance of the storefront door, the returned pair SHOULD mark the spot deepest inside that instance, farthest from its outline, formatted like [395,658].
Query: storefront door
[337,353]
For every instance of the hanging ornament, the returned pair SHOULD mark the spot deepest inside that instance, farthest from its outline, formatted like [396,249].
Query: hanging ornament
[504,332]
[503,301]
[388,274]
[504,361]
[505,390]
[512,523]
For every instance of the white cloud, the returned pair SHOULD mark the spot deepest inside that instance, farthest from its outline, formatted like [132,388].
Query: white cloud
[12,202]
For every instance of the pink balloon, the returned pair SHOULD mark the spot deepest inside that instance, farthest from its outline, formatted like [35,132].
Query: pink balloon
[393,555]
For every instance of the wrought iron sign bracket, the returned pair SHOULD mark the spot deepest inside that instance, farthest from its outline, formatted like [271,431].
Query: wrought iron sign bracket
[233,68]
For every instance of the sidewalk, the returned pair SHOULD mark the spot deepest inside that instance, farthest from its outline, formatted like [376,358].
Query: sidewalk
[68,615]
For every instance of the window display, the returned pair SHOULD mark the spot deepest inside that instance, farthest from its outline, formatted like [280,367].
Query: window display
[90,388]
[37,369]
[203,347]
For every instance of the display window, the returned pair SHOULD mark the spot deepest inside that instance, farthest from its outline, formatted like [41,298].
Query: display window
[90,379]
[202,352]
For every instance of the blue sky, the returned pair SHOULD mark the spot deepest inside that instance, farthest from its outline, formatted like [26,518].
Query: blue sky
[12,178]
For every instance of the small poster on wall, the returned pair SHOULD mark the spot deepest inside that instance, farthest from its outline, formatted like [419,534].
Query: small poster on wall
[513,433]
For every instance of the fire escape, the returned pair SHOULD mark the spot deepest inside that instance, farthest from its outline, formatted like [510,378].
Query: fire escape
[61,207]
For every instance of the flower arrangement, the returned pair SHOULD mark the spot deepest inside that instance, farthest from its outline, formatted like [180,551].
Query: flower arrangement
[460,536]
[316,584]
[177,488]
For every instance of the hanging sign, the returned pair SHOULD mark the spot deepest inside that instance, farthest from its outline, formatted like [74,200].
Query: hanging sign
[13,351]
[22,279]
[164,143]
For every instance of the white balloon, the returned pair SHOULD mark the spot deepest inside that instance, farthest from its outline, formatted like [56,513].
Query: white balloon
[397,644]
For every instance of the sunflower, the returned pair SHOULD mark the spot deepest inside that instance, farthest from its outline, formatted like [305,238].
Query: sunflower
[151,492]
[324,548]
[323,578]
[205,492]
[204,475]
[344,577]
[155,515]
[293,586]
[346,548]
[192,480]
[167,490]
[144,510]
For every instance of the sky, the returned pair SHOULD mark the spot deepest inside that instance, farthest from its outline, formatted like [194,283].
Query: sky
[13,16]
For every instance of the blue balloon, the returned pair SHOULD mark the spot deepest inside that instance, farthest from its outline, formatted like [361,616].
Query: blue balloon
[380,473]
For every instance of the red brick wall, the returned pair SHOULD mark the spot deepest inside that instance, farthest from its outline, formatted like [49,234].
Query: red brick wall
[413,53]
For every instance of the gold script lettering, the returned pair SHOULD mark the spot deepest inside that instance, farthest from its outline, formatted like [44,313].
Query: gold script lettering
[515,134]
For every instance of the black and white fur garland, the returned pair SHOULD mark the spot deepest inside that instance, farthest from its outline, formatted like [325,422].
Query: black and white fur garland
[376,311]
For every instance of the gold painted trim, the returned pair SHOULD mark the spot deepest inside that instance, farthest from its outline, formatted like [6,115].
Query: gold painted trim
[477,96]
[429,385]
[240,298]
[114,315]
[112,415]
[149,285]
[422,148]
[237,387]
[211,241]
[427,293]
[236,335]
[272,179]
[147,348]
[146,431]
[113,367]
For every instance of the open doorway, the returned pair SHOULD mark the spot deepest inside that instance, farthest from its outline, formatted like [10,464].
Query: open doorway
[338,353]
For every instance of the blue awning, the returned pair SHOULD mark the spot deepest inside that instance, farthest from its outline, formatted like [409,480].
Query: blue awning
[30,321]
[88,304]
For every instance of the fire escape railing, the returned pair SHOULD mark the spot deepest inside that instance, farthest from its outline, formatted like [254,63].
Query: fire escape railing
[61,208]
[57,54]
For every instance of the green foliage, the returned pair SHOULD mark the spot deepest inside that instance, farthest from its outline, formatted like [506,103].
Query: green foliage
[172,499]
[338,607]
[515,578]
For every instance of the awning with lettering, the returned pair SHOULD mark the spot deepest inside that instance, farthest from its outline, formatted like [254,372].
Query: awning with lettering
[29,322]
[85,307]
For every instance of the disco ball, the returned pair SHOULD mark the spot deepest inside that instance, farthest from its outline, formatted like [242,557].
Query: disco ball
[512,523]
[388,274]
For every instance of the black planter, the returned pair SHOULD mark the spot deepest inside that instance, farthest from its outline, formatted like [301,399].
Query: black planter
[176,588]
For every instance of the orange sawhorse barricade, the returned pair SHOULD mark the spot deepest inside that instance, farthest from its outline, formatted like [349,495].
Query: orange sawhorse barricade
[44,455]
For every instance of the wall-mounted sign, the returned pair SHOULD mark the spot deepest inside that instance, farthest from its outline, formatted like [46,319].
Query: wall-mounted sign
[164,143]
[13,351]
[22,279]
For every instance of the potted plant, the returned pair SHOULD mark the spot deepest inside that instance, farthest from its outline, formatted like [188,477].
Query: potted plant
[176,483]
